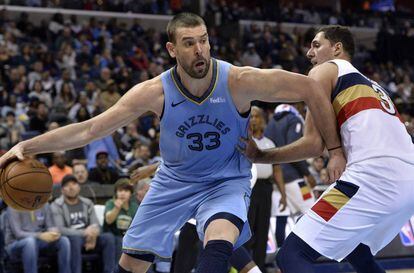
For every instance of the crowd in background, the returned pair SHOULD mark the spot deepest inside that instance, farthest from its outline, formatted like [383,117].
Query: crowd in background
[64,71]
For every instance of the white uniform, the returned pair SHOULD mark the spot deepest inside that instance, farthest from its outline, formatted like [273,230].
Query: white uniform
[374,196]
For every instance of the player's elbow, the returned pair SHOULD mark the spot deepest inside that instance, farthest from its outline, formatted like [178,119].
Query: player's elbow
[315,145]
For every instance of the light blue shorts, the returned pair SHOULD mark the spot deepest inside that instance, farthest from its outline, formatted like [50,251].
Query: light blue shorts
[168,205]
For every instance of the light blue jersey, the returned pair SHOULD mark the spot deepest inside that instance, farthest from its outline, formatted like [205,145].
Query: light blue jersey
[202,174]
[199,134]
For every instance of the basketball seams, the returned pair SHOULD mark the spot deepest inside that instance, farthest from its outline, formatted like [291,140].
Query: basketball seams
[7,180]
[19,189]
[13,164]
[30,174]
[16,203]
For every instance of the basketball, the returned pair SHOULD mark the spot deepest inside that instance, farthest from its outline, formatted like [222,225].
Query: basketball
[26,185]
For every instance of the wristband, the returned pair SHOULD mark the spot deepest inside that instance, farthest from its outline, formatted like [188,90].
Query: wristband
[334,148]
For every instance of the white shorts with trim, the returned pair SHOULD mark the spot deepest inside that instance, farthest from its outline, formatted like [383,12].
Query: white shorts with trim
[369,205]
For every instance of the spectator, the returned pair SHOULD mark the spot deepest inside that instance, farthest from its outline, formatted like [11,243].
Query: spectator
[29,233]
[13,130]
[141,189]
[316,167]
[75,217]
[141,156]
[82,103]
[82,175]
[102,173]
[104,144]
[109,96]
[59,168]
[39,93]
[250,57]
[40,120]
[119,212]
[65,99]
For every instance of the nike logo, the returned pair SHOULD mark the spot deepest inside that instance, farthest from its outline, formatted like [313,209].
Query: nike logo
[178,103]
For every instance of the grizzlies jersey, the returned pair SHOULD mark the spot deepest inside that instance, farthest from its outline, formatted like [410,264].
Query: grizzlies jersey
[199,134]
[369,123]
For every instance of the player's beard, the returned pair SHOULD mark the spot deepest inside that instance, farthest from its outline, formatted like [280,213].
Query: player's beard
[193,71]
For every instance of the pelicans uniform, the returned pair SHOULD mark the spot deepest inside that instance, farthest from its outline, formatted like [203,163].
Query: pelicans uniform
[374,196]
[202,173]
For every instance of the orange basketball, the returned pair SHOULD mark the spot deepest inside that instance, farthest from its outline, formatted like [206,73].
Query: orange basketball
[26,185]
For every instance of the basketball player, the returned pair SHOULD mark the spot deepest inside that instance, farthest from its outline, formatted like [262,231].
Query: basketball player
[364,210]
[203,104]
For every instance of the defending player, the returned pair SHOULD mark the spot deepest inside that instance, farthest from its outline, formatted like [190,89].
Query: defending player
[364,210]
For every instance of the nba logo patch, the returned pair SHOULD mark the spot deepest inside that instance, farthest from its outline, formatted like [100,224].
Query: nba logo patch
[406,234]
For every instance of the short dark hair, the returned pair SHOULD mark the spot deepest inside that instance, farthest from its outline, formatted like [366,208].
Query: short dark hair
[336,33]
[68,178]
[123,184]
[184,19]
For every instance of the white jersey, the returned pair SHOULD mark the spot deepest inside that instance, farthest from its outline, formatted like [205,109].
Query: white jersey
[369,122]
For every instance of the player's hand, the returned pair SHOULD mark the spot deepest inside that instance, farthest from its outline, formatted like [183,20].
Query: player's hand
[249,149]
[143,172]
[336,165]
[12,154]
[282,203]
[49,236]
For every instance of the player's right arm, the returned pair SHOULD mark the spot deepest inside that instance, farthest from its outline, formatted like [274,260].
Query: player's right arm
[308,146]
[143,97]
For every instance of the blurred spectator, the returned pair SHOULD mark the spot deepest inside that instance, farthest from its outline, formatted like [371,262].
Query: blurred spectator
[250,57]
[141,189]
[29,233]
[37,91]
[12,131]
[119,212]
[65,98]
[109,96]
[323,175]
[82,103]
[59,169]
[75,217]
[316,167]
[141,156]
[103,173]
[82,175]
[41,118]
[131,136]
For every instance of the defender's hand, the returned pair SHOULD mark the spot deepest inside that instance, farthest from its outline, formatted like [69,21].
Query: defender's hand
[250,149]
[336,165]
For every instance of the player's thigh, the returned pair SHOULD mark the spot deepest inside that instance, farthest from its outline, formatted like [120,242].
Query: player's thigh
[229,202]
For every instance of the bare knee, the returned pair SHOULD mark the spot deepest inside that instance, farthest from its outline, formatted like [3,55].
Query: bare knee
[221,229]
[133,264]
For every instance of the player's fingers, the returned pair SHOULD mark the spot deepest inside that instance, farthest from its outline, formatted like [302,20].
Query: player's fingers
[6,159]
[331,175]
[19,155]
[244,140]
[241,149]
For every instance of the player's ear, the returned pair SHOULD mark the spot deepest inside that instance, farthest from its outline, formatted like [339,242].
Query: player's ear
[338,49]
[171,49]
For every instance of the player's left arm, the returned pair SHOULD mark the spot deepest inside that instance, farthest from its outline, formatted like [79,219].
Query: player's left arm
[276,85]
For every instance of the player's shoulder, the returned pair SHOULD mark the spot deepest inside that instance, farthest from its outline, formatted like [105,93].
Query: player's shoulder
[327,69]
[146,90]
